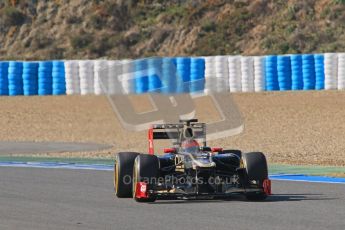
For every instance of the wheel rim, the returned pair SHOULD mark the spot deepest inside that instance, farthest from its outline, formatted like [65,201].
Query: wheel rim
[135,177]
[116,176]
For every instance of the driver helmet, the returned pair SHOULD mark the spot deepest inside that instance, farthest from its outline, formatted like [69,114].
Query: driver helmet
[191,146]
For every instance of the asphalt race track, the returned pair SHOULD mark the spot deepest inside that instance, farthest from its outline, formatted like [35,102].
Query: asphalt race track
[83,199]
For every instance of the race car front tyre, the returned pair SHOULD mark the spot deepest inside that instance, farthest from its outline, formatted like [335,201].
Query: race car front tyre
[123,170]
[256,170]
[146,169]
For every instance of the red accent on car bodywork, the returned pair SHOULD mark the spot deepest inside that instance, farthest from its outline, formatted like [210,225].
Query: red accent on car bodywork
[190,143]
[217,149]
[141,190]
[267,187]
[150,137]
[169,150]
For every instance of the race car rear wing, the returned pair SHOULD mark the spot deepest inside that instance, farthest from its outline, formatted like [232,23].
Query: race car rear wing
[175,132]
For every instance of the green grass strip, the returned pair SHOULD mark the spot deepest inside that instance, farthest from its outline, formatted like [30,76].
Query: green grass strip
[306,170]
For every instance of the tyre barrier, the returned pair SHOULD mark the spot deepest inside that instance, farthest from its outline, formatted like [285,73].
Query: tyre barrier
[58,77]
[141,76]
[221,74]
[30,78]
[15,79]
[308,70]
[112,72]
[247,70]
[259,74]
[296,72]
[271,73]
[209,74]
[284,73]
[3,78]
[72,77]
[154,68]
[197,75]
[182,74]
[235,82]
[127,77]
[319,72]
[45,79]
[331,71]
[341,71]
[100,69]
[170,75]
[86,75]
[168,78]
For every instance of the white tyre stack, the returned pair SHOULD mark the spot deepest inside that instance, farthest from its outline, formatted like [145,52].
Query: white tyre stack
[114,71]
[72,77]
[341,71]
[127,77]
[86,74]
[247,73]
[259,74]
[100,74]
[221,73]
[331,69]
[235,83]
[210,74]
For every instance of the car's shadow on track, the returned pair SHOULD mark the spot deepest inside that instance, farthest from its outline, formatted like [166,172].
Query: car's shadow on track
[297,197]
[271,198]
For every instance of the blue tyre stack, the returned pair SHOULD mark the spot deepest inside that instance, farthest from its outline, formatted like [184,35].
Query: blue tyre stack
[296,72]
[183,74]
[15,78]
[168,75]
[319,71]
[141,76]
[154,71]
[58,76]
[45,80]
[308,69]
[3,78]
[30,78]
[271,73]
[197,74]
[284,72]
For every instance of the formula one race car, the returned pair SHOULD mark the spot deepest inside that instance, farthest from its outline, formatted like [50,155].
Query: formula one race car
[188,170]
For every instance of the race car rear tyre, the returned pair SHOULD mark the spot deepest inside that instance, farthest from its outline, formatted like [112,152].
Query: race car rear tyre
[146,169]
[123,170]
[256,170]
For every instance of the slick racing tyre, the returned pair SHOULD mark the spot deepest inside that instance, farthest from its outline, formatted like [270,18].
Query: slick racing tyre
[146,169]
[123,170]
[256,170]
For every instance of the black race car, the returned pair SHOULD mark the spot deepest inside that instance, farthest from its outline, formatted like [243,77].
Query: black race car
[189,171]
